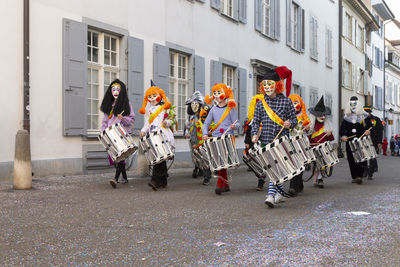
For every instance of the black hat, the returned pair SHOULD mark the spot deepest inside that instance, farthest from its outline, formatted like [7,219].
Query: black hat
[368,108]
[320,109]
[353,98]
[272,75]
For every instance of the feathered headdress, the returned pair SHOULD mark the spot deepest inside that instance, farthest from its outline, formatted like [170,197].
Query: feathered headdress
[228,94]
[151,91]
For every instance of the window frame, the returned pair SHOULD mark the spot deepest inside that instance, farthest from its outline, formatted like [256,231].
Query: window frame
[349,75]
[101,67]
[329,47]
[313,37]
[297,38]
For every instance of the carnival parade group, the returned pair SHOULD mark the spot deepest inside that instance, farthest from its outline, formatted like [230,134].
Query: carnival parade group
[281,139]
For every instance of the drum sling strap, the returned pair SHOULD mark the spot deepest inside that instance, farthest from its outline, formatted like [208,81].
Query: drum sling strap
[318,133]
[271,114]
[224,115]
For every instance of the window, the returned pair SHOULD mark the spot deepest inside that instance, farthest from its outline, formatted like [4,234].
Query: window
[313,38]
[295,26]
[313,97]
[266,29]
[103,68]
[378,97]
[227,76]
[389,92]
[378,59]
[328,100]
[360,38]
[296,89]
[227,7]
[347,74]
[328,47]
[178,85]
[347,26]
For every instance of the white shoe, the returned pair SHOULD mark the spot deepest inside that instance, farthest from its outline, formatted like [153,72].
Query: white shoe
[270,201]
[278,198]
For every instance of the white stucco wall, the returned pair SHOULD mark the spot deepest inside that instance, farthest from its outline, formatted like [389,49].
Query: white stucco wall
[193,25]
[11,76]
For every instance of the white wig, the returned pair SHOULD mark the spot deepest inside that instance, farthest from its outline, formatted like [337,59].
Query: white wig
[327,123]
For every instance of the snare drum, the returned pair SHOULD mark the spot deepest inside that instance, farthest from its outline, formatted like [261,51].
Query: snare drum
[302,146]
[254,165]
[222,153]
[325,155]
[200,158]
[118,143]
[279,159]
[362,149]
[156,147]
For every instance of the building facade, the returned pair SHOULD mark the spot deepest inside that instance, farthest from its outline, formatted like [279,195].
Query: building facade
[78,47]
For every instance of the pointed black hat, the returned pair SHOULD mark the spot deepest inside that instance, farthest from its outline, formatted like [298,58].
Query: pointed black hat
[320,109]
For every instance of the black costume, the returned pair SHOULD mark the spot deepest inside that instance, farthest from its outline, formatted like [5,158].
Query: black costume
[376,136]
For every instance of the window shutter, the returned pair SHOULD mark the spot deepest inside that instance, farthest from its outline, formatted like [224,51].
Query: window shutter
[288,23]
[365,89]
[203,1]
[353,29]
[242,101]
[311,36]
[235,7]
[243,11]
[343,71]
[373,52]
[353,76]
[272,18]
[216,4]
[258,15]
[161,67]
[216,72]
[75,87]
[316,38]
[301,32]
[382,59]
[344,25]
[199,74]
[135,76]
[277,26]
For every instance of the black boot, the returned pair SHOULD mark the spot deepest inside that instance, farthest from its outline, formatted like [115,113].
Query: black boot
[207,177]
[260,185]
[195,172]
[123,171]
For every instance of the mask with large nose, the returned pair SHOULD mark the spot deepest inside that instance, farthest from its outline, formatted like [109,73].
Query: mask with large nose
[269,87]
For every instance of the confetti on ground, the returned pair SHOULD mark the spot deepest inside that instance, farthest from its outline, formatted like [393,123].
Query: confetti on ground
[219,244]
[358,213]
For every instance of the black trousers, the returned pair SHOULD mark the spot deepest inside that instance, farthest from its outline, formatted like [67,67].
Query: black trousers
[160,174]
[297,183]
[356,169]
[372,166]
[120,168]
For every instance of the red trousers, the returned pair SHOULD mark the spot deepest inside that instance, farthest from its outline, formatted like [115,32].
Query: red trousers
[222,179]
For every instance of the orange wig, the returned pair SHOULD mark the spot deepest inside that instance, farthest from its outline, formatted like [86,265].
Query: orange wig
[151,91]
[228,94]
[279,87]
[297,98]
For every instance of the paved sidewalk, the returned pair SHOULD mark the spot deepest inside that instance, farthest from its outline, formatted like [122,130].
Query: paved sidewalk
[81,220]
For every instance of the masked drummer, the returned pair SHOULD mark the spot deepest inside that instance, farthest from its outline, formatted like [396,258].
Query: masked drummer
[350,128]
[247,140]
[159,115]
[117,109]
[225,118]
[274,111]
[303,126]
[321,131]
[194,105]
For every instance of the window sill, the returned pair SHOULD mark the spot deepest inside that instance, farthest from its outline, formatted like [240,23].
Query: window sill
[229,18]
[314,59]
[267,36]
[329,66]
[347,88]
[295,50]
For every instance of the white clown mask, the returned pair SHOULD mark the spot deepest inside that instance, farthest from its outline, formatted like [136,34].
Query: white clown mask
[115,90]
[195,106]
[353,106]
[269,87]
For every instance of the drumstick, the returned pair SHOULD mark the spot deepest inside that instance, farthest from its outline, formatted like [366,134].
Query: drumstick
[365,132]
[117,116]
[279,133]
[229,128]
[351,136]
[322,137]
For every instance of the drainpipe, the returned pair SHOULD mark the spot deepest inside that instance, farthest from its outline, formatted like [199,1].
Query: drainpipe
[26,106]
[384,74]
[340,60]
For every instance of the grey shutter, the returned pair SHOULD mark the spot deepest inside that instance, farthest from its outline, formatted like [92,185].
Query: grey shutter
[243,11]
[199,74]
[135,77]
[235,7]
[272,18]
[161,67]
[277,19]
[288,23]
[203,1]
[301,32]
[75,89]
[242,101]
[311,36]
[258,15]
[353,31]
[216,4]
[365,89]
[216,72]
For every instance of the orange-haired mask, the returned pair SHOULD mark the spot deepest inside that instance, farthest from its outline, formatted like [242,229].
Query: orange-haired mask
[219,95]
[154,99]
[297,107]
[269,87]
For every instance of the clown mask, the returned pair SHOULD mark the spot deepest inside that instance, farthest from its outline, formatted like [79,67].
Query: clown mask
[154,99]
[321,119]
[195,106]
[353,106]
[269,87]
[219,95]
[297,107]
[115,90]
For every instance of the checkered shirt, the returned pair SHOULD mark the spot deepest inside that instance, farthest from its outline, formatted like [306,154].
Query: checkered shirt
[283,107]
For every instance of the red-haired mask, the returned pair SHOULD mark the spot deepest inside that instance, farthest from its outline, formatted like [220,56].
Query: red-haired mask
[269,87]
[297,106]
[219,95]
[154,99]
